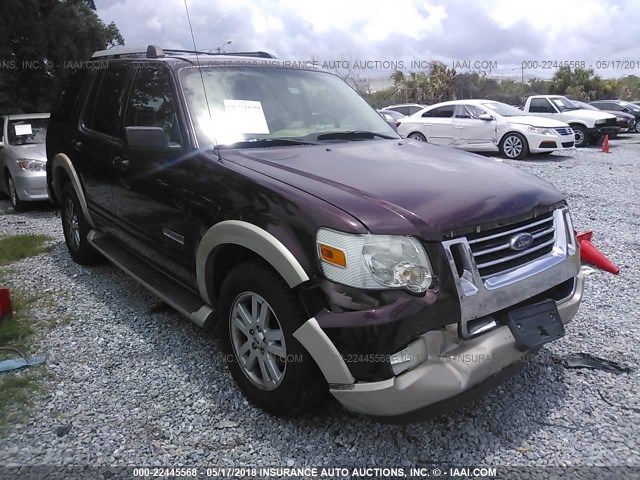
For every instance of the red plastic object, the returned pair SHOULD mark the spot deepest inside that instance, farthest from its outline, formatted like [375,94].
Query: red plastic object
[605,144]
[592,255]
[6,309]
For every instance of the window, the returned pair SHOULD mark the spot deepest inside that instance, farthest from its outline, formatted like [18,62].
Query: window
[151,104]
[541,105]
[1,129]
[611,106]
[441,112]
[468,111]
[68,97]
[404,110]
[413,110]
[29,131]
[105,102]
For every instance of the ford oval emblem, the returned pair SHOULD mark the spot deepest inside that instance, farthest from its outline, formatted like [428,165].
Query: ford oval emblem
[521,241]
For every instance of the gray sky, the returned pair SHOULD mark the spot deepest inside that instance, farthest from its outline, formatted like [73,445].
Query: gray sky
[493,34]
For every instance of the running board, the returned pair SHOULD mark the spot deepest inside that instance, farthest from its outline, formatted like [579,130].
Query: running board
[174,293]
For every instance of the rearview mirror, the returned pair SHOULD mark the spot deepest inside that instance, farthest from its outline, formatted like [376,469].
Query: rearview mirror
[486,117]
[145,137]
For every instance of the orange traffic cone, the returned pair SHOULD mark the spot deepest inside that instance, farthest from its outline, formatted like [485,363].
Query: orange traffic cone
[592,255]
[6,309]
[605,144]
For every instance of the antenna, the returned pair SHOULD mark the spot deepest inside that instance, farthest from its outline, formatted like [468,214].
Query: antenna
[204,88]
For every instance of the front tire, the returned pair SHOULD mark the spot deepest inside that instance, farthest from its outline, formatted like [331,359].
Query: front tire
[76,228]
[17,204]
[514,146]
[257,316]
[582,138]
[637,128]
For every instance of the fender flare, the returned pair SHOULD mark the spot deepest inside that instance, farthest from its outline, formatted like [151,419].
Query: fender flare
[63,162]
[253,238]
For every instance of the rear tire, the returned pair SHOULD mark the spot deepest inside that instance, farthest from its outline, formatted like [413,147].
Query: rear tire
[514,146]
[76,228]
[17,204]
[257,316]
[417,136]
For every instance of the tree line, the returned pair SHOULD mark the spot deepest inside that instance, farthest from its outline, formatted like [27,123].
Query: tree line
[39,39]
[440,83]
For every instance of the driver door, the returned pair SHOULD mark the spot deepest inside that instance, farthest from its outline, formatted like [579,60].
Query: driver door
[470,131]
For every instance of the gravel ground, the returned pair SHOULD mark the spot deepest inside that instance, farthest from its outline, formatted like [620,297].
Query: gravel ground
[139,384]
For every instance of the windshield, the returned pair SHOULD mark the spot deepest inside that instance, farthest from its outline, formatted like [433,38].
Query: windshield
[631,106]
[585,106]
[564,104]
[28,131]
[503,109]
[271,104]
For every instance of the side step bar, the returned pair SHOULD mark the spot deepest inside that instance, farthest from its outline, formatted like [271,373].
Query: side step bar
[175,294]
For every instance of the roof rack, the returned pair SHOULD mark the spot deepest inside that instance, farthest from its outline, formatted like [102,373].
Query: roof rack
[154,51]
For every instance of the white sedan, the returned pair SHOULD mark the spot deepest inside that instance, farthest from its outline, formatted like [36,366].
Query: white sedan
[487,126]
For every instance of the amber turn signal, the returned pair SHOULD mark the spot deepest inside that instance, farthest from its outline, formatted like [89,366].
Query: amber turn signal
[333,255]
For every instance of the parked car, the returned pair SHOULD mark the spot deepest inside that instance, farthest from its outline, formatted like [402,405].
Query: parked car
[587,125]
[625,121]
[620,106]
[332,254]
[405,108]
[392,117]
[487,126]
[23,158]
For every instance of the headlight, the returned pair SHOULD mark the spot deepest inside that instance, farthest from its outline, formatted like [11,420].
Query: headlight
[374,261]
[542,131]
[31,165]
[601,122]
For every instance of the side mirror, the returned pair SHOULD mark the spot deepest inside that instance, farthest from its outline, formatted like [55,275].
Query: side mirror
[625,110]
[486,117]
[145,137]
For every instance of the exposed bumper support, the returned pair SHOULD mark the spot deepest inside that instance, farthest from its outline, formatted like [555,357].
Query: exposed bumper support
[453,367]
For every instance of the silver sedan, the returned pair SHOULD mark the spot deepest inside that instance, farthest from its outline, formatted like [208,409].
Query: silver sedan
[23,158]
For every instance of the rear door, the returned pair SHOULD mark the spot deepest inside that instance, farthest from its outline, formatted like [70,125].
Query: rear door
[100,139]
[152,184]
[438,125]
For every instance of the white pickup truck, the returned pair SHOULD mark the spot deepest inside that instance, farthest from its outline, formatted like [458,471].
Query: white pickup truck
[588,125]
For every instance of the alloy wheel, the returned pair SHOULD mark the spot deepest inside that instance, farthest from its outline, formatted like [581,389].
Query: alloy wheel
[258,341]
[512,146]
[71,224]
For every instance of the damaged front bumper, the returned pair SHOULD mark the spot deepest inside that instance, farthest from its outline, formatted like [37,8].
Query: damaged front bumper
[453,366]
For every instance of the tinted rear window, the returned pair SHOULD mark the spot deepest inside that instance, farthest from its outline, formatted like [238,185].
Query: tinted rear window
[105,102]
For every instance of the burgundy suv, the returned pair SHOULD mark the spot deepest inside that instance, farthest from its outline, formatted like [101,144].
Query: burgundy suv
[330,253]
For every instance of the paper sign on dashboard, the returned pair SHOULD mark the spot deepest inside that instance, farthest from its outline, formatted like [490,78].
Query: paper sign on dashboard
[246,116]
[24,129]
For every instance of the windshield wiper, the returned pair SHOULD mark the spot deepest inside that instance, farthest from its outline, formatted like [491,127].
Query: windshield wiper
[266,142]
[349,135]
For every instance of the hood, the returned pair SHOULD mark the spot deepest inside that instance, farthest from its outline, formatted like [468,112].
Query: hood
[35,151]
[615,113]
[588,114]
[536,121]
[406,187]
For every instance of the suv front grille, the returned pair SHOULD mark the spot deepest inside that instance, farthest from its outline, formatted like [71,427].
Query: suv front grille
[494,255]
[611,122]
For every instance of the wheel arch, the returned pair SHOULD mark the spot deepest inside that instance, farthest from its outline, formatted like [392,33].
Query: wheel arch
[62,171]
[228,243]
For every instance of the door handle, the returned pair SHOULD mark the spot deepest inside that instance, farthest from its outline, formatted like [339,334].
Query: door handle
[458,126]
[121,164]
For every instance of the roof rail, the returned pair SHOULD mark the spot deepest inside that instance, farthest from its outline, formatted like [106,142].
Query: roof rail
[154,51]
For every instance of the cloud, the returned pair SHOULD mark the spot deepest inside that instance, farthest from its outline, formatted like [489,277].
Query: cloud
[503,31]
